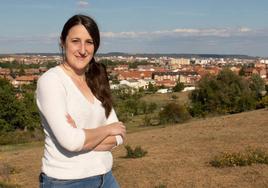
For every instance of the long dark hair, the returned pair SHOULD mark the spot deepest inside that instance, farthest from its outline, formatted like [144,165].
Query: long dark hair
[96,74]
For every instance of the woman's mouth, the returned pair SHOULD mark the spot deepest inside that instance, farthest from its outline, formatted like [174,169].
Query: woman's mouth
[81,58]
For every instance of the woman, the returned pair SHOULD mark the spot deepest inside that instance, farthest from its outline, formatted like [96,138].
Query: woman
[80,125]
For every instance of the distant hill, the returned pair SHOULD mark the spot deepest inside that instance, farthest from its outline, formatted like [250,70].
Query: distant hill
[177,55]
[151,55]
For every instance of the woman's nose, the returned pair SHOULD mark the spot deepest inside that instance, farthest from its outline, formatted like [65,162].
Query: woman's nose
[82,49]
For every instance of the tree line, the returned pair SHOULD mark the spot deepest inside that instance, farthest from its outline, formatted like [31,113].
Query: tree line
[226,93]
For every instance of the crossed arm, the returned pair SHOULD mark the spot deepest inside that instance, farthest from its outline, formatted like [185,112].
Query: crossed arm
[108,143]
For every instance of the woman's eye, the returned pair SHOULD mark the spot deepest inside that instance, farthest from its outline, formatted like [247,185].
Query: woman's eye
[75,41]
[90,42]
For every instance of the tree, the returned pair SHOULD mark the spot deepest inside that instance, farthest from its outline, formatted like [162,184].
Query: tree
[151,88]
[9,105]
[242,71]
[33,118]
[16,113]
[151,107]
[257,85]
[178,87]
[224,93]
[143,107]
[21,71]
[12,73]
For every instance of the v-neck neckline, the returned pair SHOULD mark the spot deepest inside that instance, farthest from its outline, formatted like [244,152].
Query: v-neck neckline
[78,90]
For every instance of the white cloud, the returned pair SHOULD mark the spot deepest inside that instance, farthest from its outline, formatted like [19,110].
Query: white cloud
[188,32]
[50,38]
[245,29]
[82,4]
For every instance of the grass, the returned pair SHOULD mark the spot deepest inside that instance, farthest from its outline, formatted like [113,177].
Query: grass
[17,147]
[177,155]
[136,122]
[163,98]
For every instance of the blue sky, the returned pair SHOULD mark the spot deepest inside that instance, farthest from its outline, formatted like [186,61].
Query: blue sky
[141,26]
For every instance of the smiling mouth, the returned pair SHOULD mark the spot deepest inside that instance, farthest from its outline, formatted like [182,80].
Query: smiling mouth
[81,57]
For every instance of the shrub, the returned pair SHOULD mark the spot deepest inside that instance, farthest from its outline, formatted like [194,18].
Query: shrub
[147,121]
[263,102]
[160,186]
[178,87]
[246,158]
[136,153]
[174,97]
[152,107]
[173,113]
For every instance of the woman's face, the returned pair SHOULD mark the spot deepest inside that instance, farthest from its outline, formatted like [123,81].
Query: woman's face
[79,48]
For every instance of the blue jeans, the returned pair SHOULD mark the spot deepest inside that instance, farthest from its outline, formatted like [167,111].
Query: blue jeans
[102,181]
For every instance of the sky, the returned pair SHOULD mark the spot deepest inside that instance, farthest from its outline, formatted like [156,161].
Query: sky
[140,26]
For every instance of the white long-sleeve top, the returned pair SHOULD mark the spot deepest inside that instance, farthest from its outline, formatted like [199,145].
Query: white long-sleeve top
[57,96]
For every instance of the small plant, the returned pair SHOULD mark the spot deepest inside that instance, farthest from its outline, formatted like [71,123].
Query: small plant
[136,153]
[174,97]
[246,158]
[147,120]
[6,170]
[160,186]
[7,185]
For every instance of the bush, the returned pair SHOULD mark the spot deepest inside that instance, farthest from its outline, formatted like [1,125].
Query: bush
[263,102]
[160,186]
[246,158]
[174,97]
[173,113]
[147,121]
[136,153]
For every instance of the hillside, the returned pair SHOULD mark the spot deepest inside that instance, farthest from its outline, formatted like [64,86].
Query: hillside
[177,156]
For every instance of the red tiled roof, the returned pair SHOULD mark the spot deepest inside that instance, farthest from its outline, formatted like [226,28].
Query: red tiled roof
[135,74]
[168,83]
[27,78]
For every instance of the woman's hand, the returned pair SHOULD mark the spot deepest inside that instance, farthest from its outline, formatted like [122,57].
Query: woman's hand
[117,128]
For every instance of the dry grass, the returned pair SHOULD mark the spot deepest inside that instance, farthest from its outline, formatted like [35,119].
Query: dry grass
[163,98]
[178,156]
